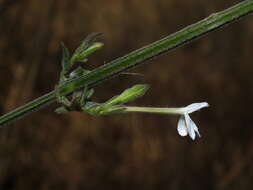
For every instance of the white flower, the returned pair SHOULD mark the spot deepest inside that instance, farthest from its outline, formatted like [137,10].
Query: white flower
[185,125]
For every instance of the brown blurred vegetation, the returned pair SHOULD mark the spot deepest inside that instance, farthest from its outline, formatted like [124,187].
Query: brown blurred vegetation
[135,151]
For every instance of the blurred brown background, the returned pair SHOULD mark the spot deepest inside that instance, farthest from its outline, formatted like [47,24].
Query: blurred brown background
[134,151]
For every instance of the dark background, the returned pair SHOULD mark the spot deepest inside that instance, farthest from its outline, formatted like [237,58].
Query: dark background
[134,151]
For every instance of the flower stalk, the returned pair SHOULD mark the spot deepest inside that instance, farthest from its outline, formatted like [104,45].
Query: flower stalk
[152,110]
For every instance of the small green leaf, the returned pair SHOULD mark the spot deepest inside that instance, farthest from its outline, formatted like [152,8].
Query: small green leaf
[65,58]
[94,47]
[111,110]
[87,47]
[61,110]
[89,93]
[82,56]
[94,108]
[129,94]
[78,72]
[87,42]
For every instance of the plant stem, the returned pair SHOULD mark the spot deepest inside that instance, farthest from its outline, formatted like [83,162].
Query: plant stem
[152,110]
[135,58]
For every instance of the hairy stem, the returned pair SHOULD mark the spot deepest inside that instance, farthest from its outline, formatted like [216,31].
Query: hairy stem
[135,58]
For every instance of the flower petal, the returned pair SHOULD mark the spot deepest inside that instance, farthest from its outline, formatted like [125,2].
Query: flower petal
[189,126]
[195,107]
[181,126]
[195,128]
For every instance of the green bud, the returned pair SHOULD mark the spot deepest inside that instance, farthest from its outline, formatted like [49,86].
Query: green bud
[87,47]
[129,94]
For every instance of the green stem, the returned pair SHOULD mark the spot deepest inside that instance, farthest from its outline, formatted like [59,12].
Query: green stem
[135,58]
[152,110]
